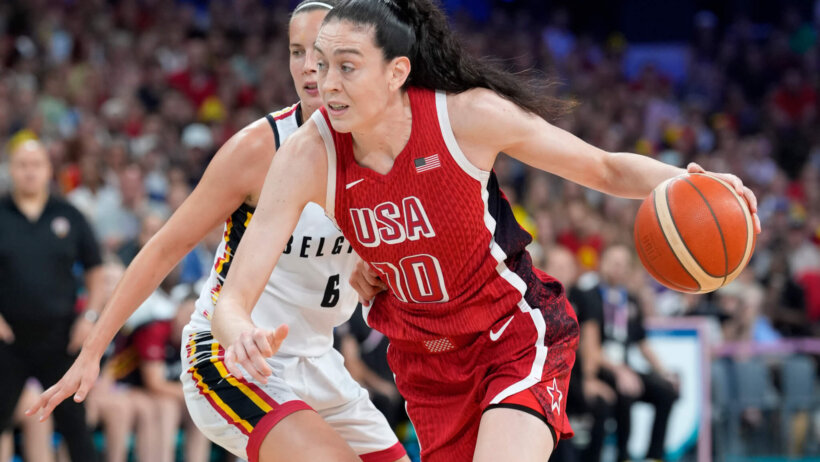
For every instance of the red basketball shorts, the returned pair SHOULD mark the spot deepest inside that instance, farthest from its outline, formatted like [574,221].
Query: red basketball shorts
[446,393]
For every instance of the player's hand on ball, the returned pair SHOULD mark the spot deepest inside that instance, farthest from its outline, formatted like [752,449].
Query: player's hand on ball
[737,183]
[251,349]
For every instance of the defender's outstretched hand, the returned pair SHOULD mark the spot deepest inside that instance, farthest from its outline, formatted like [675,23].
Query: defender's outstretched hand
[77,380]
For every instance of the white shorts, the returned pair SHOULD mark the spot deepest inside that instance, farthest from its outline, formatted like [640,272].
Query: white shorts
[237,414]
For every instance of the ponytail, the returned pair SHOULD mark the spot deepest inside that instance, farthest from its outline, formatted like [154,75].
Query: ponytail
[419,30]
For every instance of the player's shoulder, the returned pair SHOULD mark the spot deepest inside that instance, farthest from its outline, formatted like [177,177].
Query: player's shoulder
[255,144]
[307,141]
[480,117]
[478,101]
[480,110]
[253,139]
[62,206]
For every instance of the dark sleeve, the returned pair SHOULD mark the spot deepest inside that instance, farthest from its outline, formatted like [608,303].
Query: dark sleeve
[638,329]
[572,296]
[586,306]
[89,248]
[793,296]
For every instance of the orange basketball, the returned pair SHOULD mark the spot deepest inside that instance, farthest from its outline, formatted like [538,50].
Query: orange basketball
[694,233]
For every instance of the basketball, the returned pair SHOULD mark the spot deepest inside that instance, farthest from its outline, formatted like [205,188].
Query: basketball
[694,233]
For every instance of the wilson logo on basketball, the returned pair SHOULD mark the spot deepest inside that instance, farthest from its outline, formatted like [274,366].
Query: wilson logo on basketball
[649,247]
[694,233]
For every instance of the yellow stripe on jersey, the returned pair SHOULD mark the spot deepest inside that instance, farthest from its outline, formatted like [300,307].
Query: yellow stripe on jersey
[228,226]
[224,259]
[214,298]
[191,346]
[248,219]
[218,401]
[282,111]
[223,372]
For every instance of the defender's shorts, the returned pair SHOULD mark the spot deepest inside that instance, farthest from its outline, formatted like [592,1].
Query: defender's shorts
[237,413]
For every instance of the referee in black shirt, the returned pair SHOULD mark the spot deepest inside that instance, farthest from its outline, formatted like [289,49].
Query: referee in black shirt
[41,239]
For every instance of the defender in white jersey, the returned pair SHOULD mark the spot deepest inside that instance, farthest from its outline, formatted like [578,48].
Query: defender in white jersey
[308,407]
[308,292]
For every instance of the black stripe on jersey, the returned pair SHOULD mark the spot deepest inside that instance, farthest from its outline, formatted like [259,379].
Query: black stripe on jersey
[509,234]
[237,229]
[299,115]
[232,396]
[513,240]
[272,123]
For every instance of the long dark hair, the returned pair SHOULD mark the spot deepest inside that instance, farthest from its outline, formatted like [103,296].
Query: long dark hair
[418,29]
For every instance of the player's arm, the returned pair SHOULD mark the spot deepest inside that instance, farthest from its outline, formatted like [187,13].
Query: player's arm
[298,175]
[485,123]
[234,174]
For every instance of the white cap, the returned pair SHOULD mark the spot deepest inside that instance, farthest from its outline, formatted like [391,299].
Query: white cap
[197,136]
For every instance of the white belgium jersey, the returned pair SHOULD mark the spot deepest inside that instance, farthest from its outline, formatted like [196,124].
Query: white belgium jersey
[308,290]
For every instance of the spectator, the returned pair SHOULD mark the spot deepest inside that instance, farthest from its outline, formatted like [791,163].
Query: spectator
[197,264]
[41,239]
[92,190]
[120,410]
[741,303]
[785,299]
[148,362]
[609,314]
[588,395]
[118,220]
[149,225]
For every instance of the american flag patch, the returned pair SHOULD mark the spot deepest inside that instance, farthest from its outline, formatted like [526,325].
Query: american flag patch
[427,163]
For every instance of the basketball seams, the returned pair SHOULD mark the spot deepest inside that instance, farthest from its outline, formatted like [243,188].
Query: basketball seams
[749,230]
[705,281]
[664,222]
[720,232]
[655,196]
[654,271]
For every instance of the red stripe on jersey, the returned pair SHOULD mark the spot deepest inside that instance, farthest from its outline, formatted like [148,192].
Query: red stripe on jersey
[287,113]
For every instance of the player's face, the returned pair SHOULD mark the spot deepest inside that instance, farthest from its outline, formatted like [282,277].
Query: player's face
[354,78]
[304,27]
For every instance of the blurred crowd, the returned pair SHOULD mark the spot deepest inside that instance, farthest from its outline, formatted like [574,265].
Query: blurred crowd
[133,97]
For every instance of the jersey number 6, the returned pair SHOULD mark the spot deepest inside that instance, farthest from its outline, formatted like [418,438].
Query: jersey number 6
[417,277]
[331,297]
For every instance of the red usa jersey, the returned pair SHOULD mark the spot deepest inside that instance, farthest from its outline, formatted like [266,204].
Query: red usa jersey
[437,228]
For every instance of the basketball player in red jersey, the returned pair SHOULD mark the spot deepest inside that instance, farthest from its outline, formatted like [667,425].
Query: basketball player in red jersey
[482,343]
[268,420]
